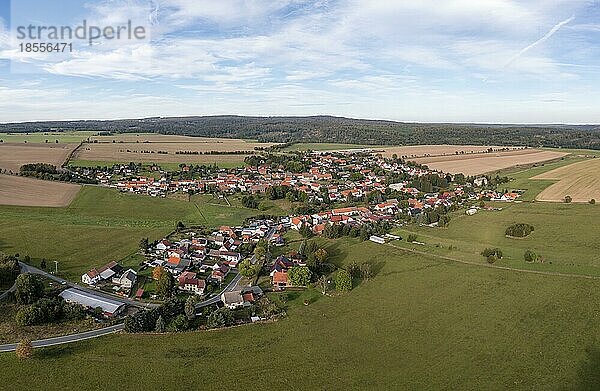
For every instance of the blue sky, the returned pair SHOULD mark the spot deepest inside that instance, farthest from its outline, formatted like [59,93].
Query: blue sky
[529,61]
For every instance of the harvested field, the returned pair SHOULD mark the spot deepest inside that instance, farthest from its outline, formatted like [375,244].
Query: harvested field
[579,180]
[14,155]
[166,149]
[21,191]
[482,163]
[418,151]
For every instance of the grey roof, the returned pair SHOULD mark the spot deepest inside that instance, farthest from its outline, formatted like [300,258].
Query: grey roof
[90,300]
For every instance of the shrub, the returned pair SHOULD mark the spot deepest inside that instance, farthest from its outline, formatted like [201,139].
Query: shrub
[593,201]
[411,238]
[530,256]
[495,252]
[29,288]
[24,349]
[568,199]
[519,230]
[343,281]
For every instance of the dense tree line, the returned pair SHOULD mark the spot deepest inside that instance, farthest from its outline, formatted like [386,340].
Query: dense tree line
[9,269]
[335,129]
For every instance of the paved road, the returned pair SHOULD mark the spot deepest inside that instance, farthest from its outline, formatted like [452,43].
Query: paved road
[215,299]
[42,343]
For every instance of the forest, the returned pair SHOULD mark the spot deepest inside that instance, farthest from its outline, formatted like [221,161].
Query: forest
[335,130]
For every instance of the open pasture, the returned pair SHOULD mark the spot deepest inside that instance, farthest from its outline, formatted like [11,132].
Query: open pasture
[580,181]
[16,190]
[14,155]
[481,163]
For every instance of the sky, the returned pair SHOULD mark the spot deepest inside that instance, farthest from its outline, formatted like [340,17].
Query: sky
[484,61]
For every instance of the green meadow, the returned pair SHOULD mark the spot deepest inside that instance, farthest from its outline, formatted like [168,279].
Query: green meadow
[419,324]
[425,321]
[103,225]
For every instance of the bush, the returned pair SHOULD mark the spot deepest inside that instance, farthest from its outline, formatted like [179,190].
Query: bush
[411,238]
[568,199]
[489,252]
[593,201]
[530,256]
[220,318]
[519,230]
[343,281]
[29,289]
[24,349]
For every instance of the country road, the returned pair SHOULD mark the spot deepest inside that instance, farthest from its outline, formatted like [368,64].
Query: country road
[42,343]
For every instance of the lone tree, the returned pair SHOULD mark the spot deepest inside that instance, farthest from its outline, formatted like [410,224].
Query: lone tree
[531,256]
[24,349]
[144,244]
[323,284]
[29,289]
[43,264]
[366,271]
[568,199]
[299,275]
[247,269]
[343,281]
[157,272]
[593,201]
[165,284]
[190,308]
[160,325]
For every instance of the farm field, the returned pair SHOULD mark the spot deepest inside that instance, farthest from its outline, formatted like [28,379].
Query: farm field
[580,181]
[47,137]
[154,148]
[488,162]
[418,324]
[23,191]
[14,155]
[102,225]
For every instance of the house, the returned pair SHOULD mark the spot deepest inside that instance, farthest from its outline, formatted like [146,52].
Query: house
[109,307]
[91,277]
[219,274]
[189,282]
[280,280]
[232,300]
[126,280]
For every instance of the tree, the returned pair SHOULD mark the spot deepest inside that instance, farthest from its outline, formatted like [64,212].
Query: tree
[43,264]
[190,308]
[343,281]
[411,238]
[530,256]
[157,272]
[593,201]
[220,318]
[144,244]
[495,252]
[568,199]
[165,285]
[299,276]
[323,284]
[366,271]
[247,269]
[24,349]
[178,324]
[160,325]
[306,231]
[29,289]
[353,269]
[179,226]
[321,255]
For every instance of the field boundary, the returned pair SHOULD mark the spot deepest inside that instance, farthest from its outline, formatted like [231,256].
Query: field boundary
[514,269]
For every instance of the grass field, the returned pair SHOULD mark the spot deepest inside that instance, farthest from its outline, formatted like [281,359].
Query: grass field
[103,225]
[15,190]
[419,324]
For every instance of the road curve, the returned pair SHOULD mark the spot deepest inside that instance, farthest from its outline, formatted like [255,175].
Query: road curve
[42,343]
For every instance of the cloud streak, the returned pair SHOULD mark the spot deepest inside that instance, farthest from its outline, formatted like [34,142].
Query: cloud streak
[548,35]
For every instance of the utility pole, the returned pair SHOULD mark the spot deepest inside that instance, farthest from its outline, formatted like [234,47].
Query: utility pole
[55,267]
